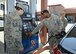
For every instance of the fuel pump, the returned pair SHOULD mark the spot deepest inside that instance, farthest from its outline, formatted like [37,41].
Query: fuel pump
[29,43]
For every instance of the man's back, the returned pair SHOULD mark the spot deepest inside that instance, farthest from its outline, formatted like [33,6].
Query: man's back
[53,24]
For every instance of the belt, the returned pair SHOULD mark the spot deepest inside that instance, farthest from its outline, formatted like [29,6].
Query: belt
[53,36]
[57,36]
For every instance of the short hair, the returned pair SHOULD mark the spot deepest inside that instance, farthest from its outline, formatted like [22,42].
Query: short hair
[44,11]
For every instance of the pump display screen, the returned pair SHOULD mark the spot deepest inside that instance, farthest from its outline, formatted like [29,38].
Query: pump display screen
[27,26]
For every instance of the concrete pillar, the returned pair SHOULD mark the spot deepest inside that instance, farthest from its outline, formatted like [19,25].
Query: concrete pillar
[44,29]
[43,5]
[33,7]
[10,5]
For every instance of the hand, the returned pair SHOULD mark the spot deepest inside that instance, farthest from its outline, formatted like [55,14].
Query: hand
[29,33]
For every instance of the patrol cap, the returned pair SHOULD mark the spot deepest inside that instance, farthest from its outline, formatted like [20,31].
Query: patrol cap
[44,11]
[21,5]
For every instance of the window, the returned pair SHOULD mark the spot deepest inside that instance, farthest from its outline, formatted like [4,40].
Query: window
[70,19]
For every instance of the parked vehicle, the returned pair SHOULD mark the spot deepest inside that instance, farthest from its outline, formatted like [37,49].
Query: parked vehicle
[68,43]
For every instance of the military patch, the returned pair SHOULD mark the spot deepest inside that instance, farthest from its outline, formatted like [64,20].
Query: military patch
[15,23]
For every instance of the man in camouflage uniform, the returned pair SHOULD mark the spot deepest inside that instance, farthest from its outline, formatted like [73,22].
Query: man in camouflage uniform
[54,26]
[64,20]
[13,30]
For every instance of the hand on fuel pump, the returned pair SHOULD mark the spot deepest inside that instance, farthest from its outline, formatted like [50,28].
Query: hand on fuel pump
[29,34]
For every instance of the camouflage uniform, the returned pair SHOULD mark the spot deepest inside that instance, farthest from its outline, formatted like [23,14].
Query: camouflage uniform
[54,26]
[64,20]
[13,33]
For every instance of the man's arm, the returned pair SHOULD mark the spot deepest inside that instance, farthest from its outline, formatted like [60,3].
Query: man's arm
[7,22]
[66,22]
[38,27]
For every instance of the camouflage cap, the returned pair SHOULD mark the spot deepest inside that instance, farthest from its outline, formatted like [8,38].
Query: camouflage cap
[21,5]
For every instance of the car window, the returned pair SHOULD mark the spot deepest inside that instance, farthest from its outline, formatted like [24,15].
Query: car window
[72,33]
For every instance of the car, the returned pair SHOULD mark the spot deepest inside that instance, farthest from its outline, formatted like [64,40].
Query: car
[67,44]
[1,25]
